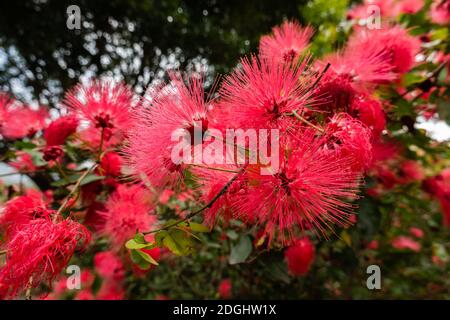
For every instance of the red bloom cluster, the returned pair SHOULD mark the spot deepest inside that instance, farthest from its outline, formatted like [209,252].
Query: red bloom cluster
[299,256]
[128,210]
[38,252]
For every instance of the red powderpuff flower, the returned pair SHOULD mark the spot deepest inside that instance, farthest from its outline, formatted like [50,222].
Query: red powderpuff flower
[440,12]
[23,121]
[211,182]
[287,42]
[225,288]
[367,9]
[52,153]
[104,104]
[20,210]
[404,242]
[39,251]
[128,210]
[91,138]
[411,171]
[351,72]
[111,290]
[307,191]
[393,44]
[350,138]
[57,132]
[373,245]
[416,232]
[370,112]
[6,103]
[300,256]
[23,162]
[109,266]
[177,107]
[363,65]
[263,94]
[111,164]
[385,150]
[409,6]
[85,294]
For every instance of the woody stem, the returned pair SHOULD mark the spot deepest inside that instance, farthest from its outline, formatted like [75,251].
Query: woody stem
[208,205]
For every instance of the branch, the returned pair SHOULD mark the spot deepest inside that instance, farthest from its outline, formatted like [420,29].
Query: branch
[208,205]
[76,186]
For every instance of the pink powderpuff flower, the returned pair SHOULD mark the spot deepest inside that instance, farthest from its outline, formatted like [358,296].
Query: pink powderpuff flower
[440,12]
[165,196]
[363,11]
[22,121]
[351,72]
[307,191]
[409,6]
[23,162]
[52,153]
[128,210]
[91,138]
[404,242]
[392,43]
[263,94]
[383,151]
[225,289]
[6,103]
[300,256]
[349,138]
[110,290]
[20,210]
[60,129]
[373,245]
[105,104]
[85,294]
[211,182]
[111,164]
[287,42]
[109,266]
[411,171]
[39,251]
[176,108]
[416,232]
[370,112]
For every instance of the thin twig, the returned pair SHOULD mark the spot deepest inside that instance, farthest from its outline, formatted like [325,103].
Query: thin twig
[299,117]
[208,205]
[320,77]
[76,186]
[213,168]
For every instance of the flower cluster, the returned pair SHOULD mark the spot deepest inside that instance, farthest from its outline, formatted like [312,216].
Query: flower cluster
[280,147]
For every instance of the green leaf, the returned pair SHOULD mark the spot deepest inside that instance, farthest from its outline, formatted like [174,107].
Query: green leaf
[139,260]
[133,245]
[21,145]
[171,244]
[159,237]
[240,251]
[140,238]
[233,235]
[91,178]
[147,257]
[197,227]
